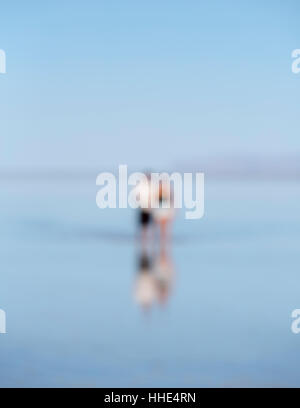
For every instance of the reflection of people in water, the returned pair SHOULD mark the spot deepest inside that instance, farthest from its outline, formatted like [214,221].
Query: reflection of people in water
[164,276]
[155,274]
[154,279]
[145,283]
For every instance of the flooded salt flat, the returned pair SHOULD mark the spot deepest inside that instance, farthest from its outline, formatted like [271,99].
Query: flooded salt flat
[68,287]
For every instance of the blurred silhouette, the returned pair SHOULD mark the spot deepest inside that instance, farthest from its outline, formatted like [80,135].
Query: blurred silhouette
[159,216]
[164,214]
[154,280]
[145,283]
[155,272]
[145,192]
[164,275]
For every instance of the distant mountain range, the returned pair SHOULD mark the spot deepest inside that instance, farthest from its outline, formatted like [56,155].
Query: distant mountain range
[235,167]
[245,167]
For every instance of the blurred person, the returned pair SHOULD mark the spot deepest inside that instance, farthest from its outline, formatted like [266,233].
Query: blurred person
[144,190]
[164,214]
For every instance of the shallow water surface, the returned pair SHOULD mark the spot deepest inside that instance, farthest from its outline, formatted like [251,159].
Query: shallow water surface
[68,286]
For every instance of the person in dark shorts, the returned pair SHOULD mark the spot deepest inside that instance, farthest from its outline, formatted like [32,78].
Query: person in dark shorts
[145,217]
[145,220]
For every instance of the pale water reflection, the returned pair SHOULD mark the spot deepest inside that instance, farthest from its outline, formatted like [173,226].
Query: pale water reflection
[155,278]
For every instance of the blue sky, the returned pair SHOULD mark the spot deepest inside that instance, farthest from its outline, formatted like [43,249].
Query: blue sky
[98,83]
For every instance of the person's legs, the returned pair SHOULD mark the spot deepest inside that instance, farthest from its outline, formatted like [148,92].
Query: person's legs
[146,221]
